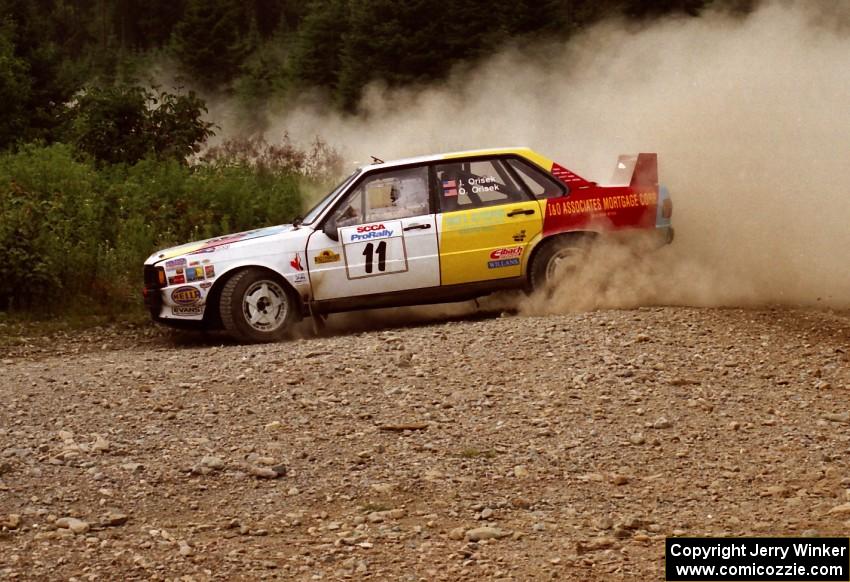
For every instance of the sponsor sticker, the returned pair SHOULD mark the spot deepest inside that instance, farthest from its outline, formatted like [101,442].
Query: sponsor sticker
[185,295]
[473,222]
[520,236]
[176,280]
[207,250]
[326,256]
[300,278]
[205,285]
[370,232]
[209,271]
[194,274]
[502,263]
[508,253]
[187,310]
[173,264]
[296,263]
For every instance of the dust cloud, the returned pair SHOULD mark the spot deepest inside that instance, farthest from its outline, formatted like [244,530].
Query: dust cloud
[750,117]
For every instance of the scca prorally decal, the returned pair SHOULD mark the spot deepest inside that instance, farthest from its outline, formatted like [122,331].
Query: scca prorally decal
[370,232]
[186,295]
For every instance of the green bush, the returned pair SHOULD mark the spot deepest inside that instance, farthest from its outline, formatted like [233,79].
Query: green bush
[123,124]
[74,234]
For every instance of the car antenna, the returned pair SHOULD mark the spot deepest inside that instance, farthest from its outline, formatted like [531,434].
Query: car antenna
[376,160]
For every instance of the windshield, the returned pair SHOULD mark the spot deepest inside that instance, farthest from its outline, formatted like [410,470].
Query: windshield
[317,210]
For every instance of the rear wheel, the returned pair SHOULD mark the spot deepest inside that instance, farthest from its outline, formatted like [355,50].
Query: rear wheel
[557,259]
[256,307]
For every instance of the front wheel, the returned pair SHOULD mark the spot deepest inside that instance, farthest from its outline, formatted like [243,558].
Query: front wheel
[556,259]
[256,307]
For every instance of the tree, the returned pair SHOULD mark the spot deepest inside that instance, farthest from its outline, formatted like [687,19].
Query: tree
[124,124]
[318,48]
[54,76]
[146,24]
[212,40]
[14,89]
[402,42]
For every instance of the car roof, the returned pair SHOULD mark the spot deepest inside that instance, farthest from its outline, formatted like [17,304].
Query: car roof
[522,151]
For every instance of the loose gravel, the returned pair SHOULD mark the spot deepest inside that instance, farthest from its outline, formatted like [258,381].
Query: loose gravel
[515,448]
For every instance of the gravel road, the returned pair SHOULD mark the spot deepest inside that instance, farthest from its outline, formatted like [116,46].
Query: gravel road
[497,447]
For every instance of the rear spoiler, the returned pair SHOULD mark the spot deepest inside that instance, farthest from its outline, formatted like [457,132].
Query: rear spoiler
[640,171]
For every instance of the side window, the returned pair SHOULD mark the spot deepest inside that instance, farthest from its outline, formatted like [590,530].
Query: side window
[386,196]
[476,183]
[541,185]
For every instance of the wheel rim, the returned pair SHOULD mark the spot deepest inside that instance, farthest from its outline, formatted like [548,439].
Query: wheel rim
[562,263]
[265,306]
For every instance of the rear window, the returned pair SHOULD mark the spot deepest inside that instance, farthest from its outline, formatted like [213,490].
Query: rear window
[475,184]
[539,183]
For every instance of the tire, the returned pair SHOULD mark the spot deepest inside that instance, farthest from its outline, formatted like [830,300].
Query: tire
[548,265]
[256,307]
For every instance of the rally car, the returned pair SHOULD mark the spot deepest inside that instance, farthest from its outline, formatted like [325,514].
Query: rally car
[432,229]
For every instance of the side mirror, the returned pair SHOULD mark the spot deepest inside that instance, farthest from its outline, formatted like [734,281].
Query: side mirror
[329,228]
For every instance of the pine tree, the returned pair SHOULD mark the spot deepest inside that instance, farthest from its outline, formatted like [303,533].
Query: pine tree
[318,47]
[14,89]
[212,40]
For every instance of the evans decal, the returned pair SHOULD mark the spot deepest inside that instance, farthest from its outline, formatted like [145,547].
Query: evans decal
[185,295]
[510,253]
[503,263]
[371,231]
[187,310]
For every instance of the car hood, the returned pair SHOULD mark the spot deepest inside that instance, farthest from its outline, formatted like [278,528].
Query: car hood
[212,243]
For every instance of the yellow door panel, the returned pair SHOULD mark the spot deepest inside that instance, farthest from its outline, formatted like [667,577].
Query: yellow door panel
[488,243]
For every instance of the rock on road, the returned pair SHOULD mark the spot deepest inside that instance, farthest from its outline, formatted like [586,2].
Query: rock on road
[509,448]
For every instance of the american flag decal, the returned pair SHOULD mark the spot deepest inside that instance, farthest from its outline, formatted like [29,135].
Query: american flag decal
[449,188]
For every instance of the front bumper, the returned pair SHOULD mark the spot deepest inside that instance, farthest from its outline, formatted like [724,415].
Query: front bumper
[152,292]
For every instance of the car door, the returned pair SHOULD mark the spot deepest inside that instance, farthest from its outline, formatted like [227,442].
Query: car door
[380,238]
[486,222]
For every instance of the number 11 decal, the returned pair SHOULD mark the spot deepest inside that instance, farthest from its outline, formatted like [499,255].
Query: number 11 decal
[370,251]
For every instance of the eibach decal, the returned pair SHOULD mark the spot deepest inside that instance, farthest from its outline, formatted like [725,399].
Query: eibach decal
[507,257]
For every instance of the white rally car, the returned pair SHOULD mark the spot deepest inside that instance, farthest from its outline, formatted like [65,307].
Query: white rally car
[440,228]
